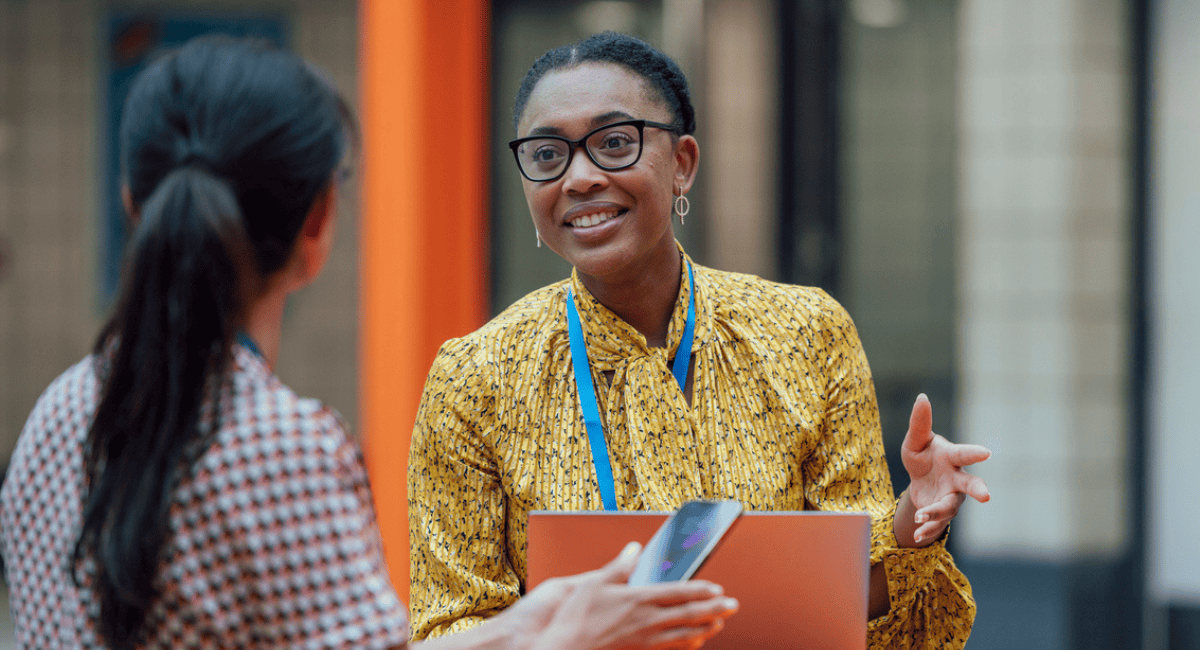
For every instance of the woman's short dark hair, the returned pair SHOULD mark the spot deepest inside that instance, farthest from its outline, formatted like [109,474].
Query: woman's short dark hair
[225,146]
[659,70]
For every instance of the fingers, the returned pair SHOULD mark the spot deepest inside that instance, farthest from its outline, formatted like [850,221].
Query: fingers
[942,510]
[929,530]
[696,614]
[618,569]
[553,589]
[936,516]
[685,637]
[669,594]
[963,455]
[973,486]
[920,425]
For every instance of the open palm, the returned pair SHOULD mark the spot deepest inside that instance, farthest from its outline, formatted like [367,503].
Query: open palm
[938,485]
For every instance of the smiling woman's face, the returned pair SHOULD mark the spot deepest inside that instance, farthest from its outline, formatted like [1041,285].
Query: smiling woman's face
[608,224]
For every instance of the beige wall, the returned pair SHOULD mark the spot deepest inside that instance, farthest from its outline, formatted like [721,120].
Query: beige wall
[740,123]
[320,353]
[49,198]
[50,101]
[1043,263]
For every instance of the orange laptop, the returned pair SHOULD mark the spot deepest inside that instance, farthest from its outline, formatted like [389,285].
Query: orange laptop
[800,577]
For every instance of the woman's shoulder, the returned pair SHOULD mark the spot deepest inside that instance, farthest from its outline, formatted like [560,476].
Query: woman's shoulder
[65,407]
[743,296]
[260,412]
[529,322]
[75,388]
[60,418]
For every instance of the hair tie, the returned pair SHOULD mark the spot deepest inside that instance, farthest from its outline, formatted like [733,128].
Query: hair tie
[194,158]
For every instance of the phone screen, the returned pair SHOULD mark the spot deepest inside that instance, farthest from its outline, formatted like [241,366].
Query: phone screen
[684,541]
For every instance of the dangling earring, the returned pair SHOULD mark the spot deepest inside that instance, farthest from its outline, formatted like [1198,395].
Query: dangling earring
[538,233]
[682,206]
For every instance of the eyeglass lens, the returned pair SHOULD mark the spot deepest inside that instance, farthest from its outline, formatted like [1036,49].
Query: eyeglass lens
[611,148]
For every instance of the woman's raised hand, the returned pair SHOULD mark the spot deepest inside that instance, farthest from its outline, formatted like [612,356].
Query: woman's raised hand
[599,611]
[938,483]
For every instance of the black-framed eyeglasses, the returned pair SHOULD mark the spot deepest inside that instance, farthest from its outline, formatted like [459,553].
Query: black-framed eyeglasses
[544,158]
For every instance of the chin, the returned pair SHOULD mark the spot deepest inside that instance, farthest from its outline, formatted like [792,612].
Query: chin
[599,262]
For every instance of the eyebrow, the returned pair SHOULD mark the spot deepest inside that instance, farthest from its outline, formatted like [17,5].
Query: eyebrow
[599,120]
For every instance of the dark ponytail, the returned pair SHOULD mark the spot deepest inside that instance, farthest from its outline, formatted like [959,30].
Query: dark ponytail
[225,146]
[174,324]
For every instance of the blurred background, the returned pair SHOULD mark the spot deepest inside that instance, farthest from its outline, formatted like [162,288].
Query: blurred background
[1003,193]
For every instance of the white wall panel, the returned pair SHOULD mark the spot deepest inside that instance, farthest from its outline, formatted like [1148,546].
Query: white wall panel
[1175,320]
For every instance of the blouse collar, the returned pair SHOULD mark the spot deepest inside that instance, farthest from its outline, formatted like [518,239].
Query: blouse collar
[610,339]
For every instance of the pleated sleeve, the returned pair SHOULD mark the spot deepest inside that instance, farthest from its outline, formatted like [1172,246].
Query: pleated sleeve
[460,571]
[931,601]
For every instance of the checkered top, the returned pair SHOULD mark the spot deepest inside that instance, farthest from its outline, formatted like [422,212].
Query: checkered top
[273,537]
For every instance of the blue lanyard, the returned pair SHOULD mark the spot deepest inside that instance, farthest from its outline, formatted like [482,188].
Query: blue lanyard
[587,390]
[245,340]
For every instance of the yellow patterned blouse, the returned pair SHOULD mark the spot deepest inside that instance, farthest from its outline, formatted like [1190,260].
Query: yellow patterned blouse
[783,417]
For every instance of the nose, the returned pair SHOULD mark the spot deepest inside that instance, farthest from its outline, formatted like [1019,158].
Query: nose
[582,175]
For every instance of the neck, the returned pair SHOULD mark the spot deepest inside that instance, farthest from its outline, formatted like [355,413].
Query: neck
[264,324]
[644,299]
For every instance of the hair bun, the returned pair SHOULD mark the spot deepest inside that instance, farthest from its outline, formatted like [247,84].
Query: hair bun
[657,69]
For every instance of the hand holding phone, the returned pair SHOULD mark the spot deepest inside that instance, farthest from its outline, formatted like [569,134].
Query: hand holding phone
[684,541]
[598,611]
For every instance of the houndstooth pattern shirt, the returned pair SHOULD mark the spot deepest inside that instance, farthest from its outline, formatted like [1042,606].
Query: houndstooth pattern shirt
[273,539]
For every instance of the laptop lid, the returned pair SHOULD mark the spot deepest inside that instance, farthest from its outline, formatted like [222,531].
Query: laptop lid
[801,577]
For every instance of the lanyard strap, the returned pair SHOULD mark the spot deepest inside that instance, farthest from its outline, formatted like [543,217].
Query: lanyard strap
[587,390]
[683,354]
[245,340]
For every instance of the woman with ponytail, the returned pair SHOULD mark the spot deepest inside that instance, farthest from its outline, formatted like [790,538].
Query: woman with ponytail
[169,491]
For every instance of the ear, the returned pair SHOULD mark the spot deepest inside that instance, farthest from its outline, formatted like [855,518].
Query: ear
[316,236]
[687,160]
[127,202]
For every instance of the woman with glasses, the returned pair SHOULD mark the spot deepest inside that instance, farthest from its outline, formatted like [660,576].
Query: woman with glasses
[646,380]
[169,491]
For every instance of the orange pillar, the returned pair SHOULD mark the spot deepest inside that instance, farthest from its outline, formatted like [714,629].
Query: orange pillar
[424,72]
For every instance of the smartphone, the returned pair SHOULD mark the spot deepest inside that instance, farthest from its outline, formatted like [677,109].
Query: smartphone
[684,541]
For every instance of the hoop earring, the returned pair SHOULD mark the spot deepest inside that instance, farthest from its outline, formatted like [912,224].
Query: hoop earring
[682,206]
[538,233]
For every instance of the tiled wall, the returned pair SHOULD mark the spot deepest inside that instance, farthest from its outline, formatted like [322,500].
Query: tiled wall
[1043,259]
[50,85]
[49,197]
[320,336]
